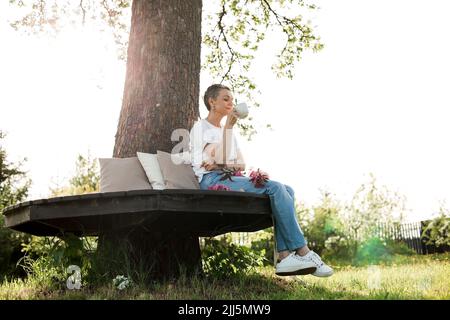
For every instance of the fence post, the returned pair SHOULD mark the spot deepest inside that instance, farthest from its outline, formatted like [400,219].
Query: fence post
[422,241]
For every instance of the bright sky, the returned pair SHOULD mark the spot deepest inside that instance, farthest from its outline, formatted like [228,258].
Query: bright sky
[376,99]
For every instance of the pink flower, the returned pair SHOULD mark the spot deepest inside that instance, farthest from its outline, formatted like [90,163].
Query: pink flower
[259,178]
[219,187]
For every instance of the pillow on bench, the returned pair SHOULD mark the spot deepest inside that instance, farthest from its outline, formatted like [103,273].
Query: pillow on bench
[122,174]
[152,169]
[177,173]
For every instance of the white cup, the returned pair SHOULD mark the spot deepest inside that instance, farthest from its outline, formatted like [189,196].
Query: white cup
[241,110]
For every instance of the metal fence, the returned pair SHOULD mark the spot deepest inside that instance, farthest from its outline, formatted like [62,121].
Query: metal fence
[408,233]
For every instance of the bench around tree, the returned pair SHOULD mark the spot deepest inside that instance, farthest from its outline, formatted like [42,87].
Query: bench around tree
[161,227]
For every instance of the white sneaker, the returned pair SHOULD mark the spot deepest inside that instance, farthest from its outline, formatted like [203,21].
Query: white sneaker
[295,265]
[323,270]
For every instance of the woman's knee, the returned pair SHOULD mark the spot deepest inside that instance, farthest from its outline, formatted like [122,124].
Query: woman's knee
[275,186]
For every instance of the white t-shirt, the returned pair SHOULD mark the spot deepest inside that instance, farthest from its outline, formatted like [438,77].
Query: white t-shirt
[201,134]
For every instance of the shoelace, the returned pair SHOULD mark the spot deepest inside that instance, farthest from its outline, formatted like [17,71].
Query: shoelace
[316,259]
[296,256]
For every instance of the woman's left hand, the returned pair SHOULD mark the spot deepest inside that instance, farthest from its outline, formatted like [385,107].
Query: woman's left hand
[210,166]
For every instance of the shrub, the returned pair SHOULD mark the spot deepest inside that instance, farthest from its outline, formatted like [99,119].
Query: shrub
[11,252]
[323,226]
[47,258]
[222,259]
[14,186]
[340,247]
[264,246]
[437,231]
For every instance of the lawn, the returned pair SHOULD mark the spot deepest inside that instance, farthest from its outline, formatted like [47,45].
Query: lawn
[412,277]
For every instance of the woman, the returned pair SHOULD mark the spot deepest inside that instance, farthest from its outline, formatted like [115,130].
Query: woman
[215,147]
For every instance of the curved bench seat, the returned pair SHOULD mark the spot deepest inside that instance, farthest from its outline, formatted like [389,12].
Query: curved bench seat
[198,212]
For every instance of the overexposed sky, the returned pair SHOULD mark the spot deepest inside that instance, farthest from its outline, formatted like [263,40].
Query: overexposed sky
[376,99]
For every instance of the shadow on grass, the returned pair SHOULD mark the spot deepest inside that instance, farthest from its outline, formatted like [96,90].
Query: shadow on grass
[243,287]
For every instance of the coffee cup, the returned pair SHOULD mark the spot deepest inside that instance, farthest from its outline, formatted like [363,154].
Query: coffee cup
[241,110]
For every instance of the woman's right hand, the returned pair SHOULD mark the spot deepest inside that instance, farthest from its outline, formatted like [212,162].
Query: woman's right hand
[231,121]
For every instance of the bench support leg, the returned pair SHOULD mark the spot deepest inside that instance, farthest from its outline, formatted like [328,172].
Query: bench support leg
[152,255]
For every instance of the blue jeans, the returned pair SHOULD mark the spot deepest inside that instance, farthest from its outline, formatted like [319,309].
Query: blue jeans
[288,235]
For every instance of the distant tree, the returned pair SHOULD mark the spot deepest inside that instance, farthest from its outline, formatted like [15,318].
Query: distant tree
[85,180]
[371,206]
[13,182]
[14,187]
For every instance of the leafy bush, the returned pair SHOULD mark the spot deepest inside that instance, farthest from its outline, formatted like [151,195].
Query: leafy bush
[437,231]
[371,205]
[11,252]
[264,246]
[14,187]
[323,226]
[222,259]
[85,180]
[47,258]
[340,248]
[347,231]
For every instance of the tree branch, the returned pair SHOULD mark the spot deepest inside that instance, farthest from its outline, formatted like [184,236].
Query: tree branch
[83,11]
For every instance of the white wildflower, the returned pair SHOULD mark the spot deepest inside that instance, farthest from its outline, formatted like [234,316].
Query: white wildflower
[122,282]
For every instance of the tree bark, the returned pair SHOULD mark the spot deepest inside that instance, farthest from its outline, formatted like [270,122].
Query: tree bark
[163,73]
[156,255]
[161,94]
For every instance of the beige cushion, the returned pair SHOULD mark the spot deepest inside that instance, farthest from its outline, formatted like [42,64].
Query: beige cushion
[176,176]
[122,174]
[151,167]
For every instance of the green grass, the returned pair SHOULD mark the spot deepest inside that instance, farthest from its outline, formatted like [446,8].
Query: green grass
[406,277]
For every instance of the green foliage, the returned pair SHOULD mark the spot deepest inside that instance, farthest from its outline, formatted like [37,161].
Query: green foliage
[373,251]
[437,231]
[232,33]
[376,251]
[371,205]
[223,259]
[14,187]
[348,231]
[14,184]
[264,246]
[85,180]
[340,247]
[51,16]
[47,258]
[415,277]
[322,223]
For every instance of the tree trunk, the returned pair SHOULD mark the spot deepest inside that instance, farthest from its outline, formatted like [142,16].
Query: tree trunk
[163,74]
[161,94]
[150,256]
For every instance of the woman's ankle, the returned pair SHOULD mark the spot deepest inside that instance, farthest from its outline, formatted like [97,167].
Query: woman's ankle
[302,251]
[283,254]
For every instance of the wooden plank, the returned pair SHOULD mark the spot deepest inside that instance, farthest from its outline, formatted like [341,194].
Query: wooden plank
[203,212]
[18,216]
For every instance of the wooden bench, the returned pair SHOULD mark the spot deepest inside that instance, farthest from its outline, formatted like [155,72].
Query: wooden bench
[158,224]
